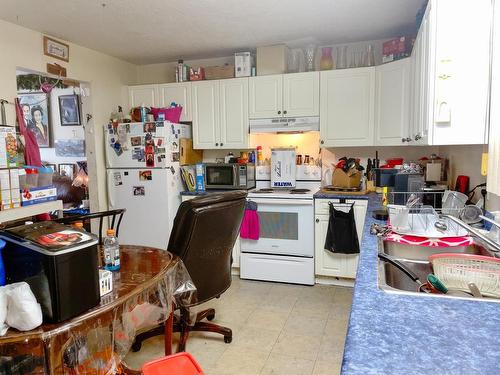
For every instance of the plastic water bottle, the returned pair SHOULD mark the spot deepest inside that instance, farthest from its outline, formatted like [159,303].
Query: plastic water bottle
[111,251]
[144,116]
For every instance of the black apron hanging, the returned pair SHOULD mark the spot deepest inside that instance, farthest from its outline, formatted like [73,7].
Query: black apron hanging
[341,236]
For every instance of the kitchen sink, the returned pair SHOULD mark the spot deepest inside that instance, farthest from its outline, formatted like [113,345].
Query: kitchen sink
[392,280]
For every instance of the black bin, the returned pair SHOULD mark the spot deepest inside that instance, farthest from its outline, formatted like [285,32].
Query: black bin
[60,265]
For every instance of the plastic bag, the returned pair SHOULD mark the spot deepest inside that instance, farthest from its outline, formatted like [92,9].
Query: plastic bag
[23,311]
[3,312]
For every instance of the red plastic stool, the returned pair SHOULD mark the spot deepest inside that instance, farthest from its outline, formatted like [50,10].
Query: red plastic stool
[175,364]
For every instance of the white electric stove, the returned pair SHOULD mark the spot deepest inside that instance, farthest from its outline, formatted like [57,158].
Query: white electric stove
[284,251]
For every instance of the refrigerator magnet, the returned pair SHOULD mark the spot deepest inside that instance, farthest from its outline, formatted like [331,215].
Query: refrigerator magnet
[118,148]
[158,158]
[172,169]
[158,141]
[159,124]
[145,176]
[117,178]
[138,191]
[150,160]
[149,127]
[175,157]
[136,141]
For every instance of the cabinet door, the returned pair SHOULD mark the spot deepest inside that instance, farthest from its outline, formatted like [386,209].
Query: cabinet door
[179,93]
[392,109]
[326,262]
[144,94]
[461,76]
[205,101]
[266,96]
[347,102]
[234,113]
[301,94]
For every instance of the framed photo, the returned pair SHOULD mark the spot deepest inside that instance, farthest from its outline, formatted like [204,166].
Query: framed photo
[67,170]
[36,115]
[70,147]
[55,48]
[69,110]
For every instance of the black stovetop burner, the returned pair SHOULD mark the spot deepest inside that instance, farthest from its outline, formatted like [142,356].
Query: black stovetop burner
[267,190]
[299,191]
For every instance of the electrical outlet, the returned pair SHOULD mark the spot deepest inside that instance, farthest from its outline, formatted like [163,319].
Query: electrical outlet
[484,164]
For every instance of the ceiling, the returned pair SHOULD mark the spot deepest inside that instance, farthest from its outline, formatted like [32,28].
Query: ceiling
[153,31]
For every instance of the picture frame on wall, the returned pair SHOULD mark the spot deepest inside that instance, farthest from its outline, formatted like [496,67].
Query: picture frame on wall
[55,48]
[35,107]
[67,169]
[69,110]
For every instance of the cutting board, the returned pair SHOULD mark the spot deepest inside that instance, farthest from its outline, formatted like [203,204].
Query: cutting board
[331,190]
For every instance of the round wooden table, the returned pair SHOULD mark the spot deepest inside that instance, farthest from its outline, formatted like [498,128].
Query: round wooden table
[144,292]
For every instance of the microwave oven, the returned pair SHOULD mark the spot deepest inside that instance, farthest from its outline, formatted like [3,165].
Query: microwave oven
[229,176]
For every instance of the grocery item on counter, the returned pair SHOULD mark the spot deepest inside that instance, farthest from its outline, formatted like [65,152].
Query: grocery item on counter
[111,251]
[260,156]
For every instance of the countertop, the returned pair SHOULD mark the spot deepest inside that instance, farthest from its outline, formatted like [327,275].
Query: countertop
[402,334]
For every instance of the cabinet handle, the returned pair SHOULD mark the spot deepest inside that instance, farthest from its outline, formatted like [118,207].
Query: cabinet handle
[284,112]
[317,220]
[408,139]
[279,112]
[216,144]
[222,144]
[418,137]
[322,142]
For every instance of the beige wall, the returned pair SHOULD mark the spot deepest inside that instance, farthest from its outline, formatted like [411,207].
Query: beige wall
[22,48]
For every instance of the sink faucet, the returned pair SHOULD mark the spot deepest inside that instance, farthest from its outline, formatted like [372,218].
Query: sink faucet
[494,246]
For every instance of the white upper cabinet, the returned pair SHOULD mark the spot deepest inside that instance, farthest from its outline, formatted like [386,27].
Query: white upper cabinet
[234,126]
[462,67]
[301,94]
[206,120]
[266,96]
[392,104]
[220,114]
[179,93]
[143,94]
[284,95]
[450,81]
[347,103]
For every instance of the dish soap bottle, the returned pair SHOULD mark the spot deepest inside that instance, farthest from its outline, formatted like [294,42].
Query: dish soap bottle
[111,251]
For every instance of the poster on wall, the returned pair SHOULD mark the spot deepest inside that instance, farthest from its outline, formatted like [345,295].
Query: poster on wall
[70,147]
[36,115]
[69,110]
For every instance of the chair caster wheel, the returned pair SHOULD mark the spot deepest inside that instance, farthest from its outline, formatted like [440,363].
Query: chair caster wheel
[211,317]
[136,346]
[228,339]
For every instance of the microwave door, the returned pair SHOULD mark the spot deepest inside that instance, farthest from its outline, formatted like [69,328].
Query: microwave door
[220,177]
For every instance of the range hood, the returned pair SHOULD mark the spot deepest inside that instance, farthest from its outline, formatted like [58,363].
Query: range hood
[285,125]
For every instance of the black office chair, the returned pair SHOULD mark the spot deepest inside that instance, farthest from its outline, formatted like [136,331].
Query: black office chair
[203,236]
[113,214]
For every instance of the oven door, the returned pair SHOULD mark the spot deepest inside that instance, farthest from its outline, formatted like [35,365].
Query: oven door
[286,228]
[221,177]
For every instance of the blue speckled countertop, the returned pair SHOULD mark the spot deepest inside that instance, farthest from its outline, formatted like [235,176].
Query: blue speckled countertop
[402,334]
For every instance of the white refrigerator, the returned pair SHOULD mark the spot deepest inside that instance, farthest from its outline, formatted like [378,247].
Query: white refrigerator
[143,176]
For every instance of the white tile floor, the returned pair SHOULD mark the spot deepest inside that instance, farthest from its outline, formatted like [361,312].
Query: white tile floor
[277,329]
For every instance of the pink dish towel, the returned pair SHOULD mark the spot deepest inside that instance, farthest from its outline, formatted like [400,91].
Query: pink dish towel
[250,225]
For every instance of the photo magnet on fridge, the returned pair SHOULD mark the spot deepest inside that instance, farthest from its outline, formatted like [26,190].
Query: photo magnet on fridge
[136,141]
[138,191]
[145,176]
[117,177]
[150,160]
[149,127]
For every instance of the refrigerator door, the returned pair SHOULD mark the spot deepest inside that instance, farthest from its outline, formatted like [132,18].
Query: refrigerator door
[126,144]
[150,203]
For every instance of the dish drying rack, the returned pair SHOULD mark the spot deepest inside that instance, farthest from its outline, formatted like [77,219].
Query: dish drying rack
[419,219]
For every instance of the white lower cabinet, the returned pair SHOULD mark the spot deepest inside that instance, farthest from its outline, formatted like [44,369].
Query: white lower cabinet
[326,262]
[237,246]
